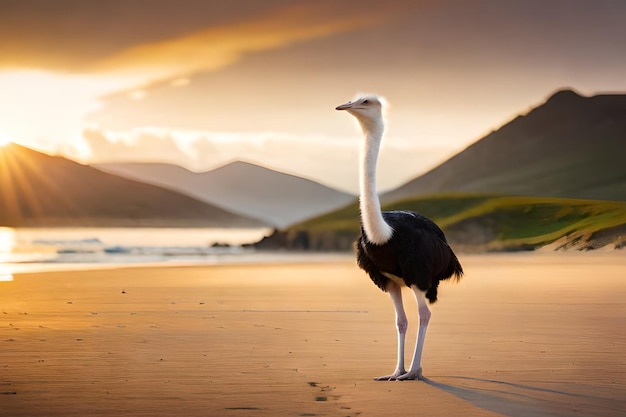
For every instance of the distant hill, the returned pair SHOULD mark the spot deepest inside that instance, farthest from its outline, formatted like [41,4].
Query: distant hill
[481,222]
[251,190]
[42,190]
[570,146]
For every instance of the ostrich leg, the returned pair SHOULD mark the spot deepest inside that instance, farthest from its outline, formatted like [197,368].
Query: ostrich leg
[415,371]
[395,292]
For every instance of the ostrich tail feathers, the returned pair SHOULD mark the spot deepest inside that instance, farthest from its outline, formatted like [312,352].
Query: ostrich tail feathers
[455,270]
[451,267]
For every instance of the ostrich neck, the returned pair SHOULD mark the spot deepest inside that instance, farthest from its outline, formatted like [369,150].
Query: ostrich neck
[376,229]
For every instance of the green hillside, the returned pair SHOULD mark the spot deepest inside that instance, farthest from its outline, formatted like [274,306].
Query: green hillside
[487,222]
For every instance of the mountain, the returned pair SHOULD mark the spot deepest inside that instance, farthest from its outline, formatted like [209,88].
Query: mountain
[251,190]
[42,190]
[570,146]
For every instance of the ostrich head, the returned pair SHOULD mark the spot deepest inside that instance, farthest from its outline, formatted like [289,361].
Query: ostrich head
[368,110]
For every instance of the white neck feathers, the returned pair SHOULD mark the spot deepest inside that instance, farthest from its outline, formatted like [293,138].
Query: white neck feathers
[376,229]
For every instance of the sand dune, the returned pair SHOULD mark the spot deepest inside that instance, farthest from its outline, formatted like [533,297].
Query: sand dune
[521,335]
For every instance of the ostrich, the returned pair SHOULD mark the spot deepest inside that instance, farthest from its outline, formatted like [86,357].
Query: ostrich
[397,248]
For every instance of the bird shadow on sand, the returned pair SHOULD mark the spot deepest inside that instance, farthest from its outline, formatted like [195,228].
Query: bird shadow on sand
[519,400]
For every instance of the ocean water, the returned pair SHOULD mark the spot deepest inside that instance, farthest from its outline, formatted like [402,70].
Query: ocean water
[36,249]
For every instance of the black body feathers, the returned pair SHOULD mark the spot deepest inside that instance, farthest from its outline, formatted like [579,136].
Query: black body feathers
[417,252]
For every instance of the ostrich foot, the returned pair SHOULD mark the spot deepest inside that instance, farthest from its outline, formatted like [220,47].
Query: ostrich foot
[396,375]
[412,375]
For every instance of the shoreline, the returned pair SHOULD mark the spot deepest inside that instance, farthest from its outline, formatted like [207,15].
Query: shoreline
[269,257]
[253,258]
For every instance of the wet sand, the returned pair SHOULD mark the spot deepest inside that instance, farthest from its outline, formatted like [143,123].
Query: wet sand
[520,335]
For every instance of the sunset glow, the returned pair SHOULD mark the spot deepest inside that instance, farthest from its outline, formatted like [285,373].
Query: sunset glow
[47,110]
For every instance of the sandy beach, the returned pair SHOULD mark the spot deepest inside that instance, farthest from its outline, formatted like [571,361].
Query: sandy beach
[521,335]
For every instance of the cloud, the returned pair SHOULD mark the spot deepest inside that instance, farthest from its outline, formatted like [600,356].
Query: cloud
[218,46]
[138,145]
[68,35]
[164,40]
[137,94]
[180,82]
[331,161]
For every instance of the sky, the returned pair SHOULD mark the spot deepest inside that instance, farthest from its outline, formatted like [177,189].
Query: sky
[203,83]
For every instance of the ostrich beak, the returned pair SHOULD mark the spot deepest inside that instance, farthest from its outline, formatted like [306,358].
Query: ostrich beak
[346,106]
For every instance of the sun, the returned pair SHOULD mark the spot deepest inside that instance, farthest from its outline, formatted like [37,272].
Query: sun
[4,140]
